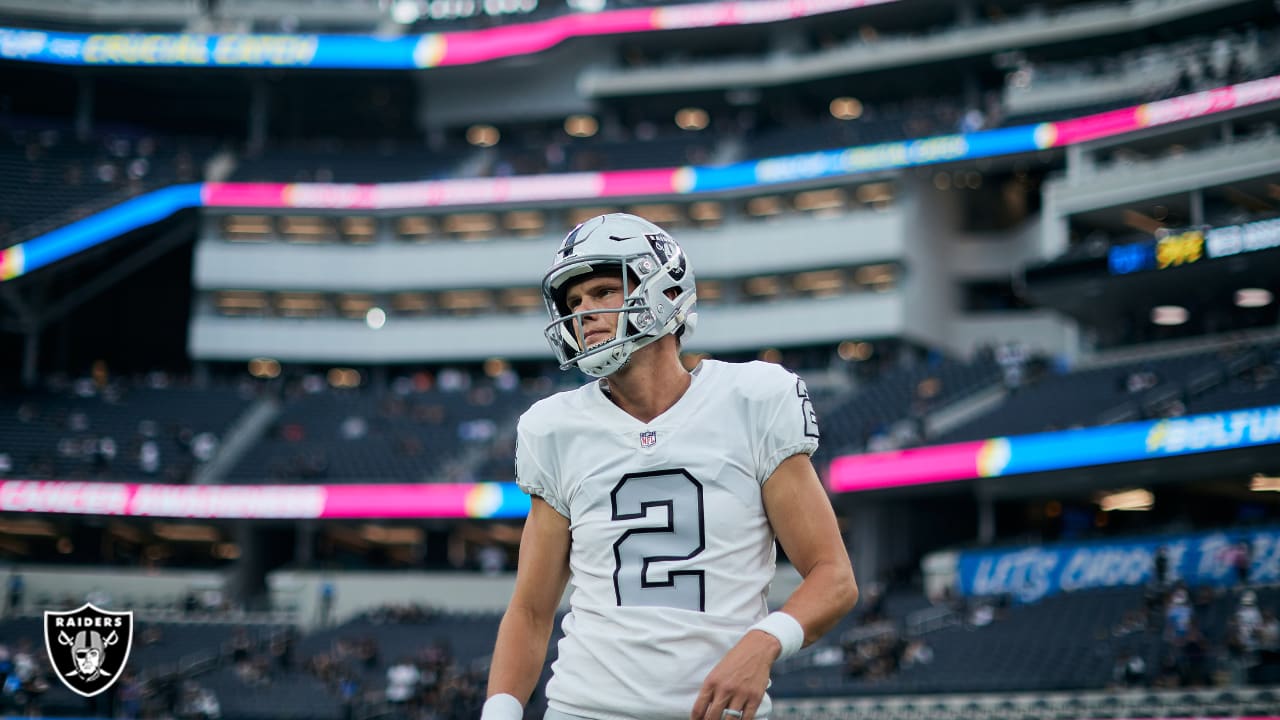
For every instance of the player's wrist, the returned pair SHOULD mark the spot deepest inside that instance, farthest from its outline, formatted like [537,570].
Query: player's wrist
[502,706]
[773,644]
[785,629]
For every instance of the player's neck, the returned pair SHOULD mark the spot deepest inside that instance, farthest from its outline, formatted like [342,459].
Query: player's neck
[649,384]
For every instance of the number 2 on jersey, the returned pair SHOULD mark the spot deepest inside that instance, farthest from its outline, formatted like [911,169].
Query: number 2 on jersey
[672,499]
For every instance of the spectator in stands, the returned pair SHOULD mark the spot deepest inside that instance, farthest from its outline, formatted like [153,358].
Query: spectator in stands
[1193,658]
[149,457]
[203,446]
[1130,670]
[492,559]
[1241,559]
[1160,564]
[198,703]
[241,646]
[367,652]
[17,587]
[1269,632]
[402,682]
[1012,358]
[349,693]
[873,606]
[917,652]
[327,596]
[1248,621]
[35,688]
[1202,605]
[129,693]
[282,648]
[621,295]
[1177,617]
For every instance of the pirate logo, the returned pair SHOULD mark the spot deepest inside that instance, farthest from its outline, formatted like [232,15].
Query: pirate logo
[88,647]
[667,250]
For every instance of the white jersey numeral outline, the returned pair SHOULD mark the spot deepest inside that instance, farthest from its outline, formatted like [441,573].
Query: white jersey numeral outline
[681,537]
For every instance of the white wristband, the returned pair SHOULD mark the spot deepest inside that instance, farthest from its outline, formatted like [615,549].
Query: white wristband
[784,627]
[502,707]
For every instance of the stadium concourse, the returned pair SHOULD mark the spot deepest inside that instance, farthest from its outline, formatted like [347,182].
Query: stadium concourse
[270,308]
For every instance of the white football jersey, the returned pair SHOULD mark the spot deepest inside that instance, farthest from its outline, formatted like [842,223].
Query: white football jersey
[671,554]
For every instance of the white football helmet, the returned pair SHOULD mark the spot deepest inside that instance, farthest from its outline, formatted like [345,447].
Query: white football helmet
[651,265]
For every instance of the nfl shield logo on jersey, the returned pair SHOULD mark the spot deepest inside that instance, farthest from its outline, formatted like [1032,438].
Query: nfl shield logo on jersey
[648,438]
[88,647]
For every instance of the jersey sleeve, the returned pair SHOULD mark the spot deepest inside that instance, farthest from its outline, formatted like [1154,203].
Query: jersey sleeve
[788,423]
[532,475]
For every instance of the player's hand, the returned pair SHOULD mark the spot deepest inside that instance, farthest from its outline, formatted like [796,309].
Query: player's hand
[739,680]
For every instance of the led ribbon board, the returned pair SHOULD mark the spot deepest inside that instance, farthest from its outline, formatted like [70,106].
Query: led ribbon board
[369,52]
[1062,450]
[25,257]
[1031,573]
[292,502]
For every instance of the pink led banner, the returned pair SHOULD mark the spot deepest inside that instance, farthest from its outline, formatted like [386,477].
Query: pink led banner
[918,466]
[445,193]
[1161,112]
[445,500]
[468,47]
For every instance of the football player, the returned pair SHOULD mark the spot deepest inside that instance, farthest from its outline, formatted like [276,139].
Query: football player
[659,492]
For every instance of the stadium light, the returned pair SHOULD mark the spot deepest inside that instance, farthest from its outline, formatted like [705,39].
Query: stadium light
[405,12]
[375,318]
[581,126]
[264,368]
[1253,297]
[1138,499]
[343,378]
[1264,483]
[846,108]
[771,355]
[1169,315]
[493,367]
[483,135]
[850,351]
[692,118]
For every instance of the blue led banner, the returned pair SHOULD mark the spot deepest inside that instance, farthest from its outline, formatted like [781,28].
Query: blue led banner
[192,50]
[1032,573]
[869,158]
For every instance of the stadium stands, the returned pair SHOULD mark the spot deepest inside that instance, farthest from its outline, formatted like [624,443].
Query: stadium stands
[372,435]
[1149,73]
[1074,641]
[869,418]
[48,177]
[165,657]
[1205,381]
[150,429]
[344,163]
[898,655]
